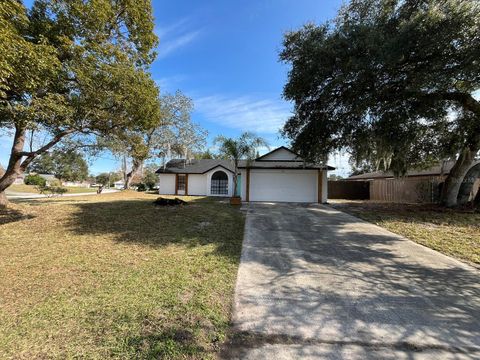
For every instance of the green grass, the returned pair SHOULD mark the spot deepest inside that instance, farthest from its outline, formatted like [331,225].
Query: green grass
[452,232]
[33,189]
[116,277]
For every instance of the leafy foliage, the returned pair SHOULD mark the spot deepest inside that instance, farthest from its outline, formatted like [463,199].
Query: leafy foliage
[74,69]
[171,131]
[65,165]
[390,80]
[244,147]
[35,180]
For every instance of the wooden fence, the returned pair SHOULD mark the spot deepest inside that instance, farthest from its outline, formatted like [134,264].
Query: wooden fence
[406,190]
[350,190]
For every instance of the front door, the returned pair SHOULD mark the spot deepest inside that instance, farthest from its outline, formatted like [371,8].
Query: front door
[181,184]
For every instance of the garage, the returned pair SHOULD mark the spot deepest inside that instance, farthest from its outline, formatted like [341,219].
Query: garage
[283,176]
[283,185]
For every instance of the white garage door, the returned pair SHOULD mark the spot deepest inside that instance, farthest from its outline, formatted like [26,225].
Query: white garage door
[283,185]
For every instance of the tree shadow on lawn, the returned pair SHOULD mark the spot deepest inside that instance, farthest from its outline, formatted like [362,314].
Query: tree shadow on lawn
[201,222]
[10,215]
[140,222]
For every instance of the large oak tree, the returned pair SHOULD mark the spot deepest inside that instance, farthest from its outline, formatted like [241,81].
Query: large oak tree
[392,81]
[73,68]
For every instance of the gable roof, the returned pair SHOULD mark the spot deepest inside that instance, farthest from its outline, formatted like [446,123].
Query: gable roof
[201,166]
[436,170]
[262,158]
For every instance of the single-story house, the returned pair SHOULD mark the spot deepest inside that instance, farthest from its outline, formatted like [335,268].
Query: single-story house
[280,175]
[415,186]
[119,185]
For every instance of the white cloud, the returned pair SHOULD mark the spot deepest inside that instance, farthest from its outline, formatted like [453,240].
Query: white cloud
[175,36]
[244,113]
[170,83]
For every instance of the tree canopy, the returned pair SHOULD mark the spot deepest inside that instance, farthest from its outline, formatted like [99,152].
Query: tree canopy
[73,68]
[170,132]
[65,165]
[235,149]
[392,81]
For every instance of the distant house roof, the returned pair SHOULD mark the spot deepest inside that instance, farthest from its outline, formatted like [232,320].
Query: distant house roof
[201,166]
[47,176]
[266,161]
[436,170]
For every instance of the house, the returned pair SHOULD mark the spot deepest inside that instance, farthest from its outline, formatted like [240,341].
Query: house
[49,178]
[80,184]
[19,180]
[120,184]
[280,175]
[416,186]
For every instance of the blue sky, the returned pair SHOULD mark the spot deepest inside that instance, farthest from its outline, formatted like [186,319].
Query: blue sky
[224,55]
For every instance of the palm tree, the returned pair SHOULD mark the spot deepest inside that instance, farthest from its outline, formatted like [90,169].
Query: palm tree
[243,147]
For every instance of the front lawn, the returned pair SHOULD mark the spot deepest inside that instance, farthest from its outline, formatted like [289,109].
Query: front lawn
[113,276]
[22,188]
[451,232]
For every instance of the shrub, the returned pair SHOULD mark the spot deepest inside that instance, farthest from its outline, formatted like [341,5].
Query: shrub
[141,187]
[52,190]
[35,180]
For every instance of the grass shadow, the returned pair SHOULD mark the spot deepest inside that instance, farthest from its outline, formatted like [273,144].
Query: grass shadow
[9,215]
[138,221]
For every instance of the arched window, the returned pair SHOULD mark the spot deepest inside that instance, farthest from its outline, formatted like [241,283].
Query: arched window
[219,183]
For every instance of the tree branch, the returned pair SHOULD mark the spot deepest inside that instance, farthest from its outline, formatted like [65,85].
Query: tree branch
[32,154]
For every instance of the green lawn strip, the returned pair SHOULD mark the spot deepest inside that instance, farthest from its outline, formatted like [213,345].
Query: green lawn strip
[454,233]
[22,188]
[157,284]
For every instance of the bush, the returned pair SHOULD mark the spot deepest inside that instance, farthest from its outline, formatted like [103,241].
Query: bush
[141,187]
[52,190]
[35,180]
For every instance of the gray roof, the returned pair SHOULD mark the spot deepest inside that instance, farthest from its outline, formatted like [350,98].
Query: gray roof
[47,176]
[279,164]
[180,166]
[436,170]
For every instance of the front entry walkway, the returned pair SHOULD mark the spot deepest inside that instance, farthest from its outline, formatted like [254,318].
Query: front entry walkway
[317,283]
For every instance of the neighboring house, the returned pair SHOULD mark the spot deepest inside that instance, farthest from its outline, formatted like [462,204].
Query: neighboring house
[49,178]
[20,179]
[280,175]
[414,186]
[119,185]
[83,184]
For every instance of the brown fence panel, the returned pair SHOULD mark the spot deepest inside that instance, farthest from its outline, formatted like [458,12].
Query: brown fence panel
[349,190]
[405,190]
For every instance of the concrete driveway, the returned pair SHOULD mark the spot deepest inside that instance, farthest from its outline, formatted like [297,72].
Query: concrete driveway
[317,283]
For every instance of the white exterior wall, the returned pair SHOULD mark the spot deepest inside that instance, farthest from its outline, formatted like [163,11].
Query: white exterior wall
[280,154]
[230,181]
[166,185]
[283,185]
[324,175]
[243,190]
[197,184]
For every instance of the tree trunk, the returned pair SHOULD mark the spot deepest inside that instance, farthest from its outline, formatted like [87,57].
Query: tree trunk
[235,178]
[455,178]
[14,168]
[476,201]
[466,188]
[135,167]
[3,200]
